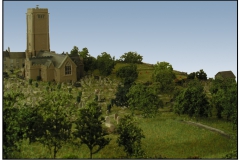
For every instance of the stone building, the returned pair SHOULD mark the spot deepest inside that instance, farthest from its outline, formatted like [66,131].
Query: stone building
[40,62]
[225,75]
[13,60]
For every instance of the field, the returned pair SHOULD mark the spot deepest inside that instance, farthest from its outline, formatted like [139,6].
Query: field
[165,135]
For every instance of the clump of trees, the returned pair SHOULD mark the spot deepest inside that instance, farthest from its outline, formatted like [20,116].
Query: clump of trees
[201,75]
[128,74]
[224,98]
[192,101]
[105,63]
[131,57]
[144,99]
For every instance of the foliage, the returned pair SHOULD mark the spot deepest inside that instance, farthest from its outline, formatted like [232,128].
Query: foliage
[163,77]
[192,101]
[121,98]
[90,63]
[144,99]
[5,75]
[224,98]
[59,86]
[38,78]
[30,81]
[12,132]
[74,51]
[109,106]
[201,75]
[191,75]
[130,136]
[131,57]
[89,128]
[84,53]
[128,74]
[105,63]
[56,109]
[78,99]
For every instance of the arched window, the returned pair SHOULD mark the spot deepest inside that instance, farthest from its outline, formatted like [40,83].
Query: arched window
[68,68]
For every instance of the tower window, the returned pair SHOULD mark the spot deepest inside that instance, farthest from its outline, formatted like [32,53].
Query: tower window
[68,68]
[40,15]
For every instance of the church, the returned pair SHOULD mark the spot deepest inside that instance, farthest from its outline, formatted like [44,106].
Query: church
[39,61]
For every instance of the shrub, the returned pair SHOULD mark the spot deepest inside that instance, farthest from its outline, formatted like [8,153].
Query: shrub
[39,78]
[30,81]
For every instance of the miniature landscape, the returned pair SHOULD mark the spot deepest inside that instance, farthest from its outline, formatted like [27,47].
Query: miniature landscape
[167,134]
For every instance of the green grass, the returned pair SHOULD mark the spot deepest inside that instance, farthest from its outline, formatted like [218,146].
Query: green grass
[165,135]
[174,139]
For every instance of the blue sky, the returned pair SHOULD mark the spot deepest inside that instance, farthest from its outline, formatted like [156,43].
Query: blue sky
[189,35]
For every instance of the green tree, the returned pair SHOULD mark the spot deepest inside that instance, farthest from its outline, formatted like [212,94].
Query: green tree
[120,96]
[84,53]
[131,57]
[144,99]
[201,75]
[192,101]
[90,63]
[74,51]
[163,77]
[130,136]
[12,131]
[89,130]
[105,63]
[57,111]
[128,74]
[191,75]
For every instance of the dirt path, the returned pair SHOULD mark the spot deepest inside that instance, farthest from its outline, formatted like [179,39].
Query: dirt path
[208,127]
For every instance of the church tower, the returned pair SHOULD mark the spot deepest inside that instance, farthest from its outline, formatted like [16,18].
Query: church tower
[37,31]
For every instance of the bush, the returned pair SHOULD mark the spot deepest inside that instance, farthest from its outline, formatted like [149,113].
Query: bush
[30,81]
[36,84]
[59,86]
[78,99]
[39,78]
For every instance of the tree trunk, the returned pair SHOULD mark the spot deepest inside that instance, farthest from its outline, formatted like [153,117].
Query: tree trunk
[90,153]
[55,152]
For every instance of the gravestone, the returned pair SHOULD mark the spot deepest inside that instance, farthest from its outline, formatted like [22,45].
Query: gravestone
[115,116]
[107,112]
[107,119]
[118,119]
[99,97]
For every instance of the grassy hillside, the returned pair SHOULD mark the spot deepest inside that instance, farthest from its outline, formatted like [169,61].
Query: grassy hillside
[145,72]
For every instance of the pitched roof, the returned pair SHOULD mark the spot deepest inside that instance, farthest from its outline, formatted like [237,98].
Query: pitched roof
[17,55]
[226,74]
[46,58]
[14,55]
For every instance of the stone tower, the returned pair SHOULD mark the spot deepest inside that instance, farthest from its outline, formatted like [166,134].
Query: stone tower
[37,31]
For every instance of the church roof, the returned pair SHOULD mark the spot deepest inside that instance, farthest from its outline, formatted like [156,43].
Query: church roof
[46,58]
